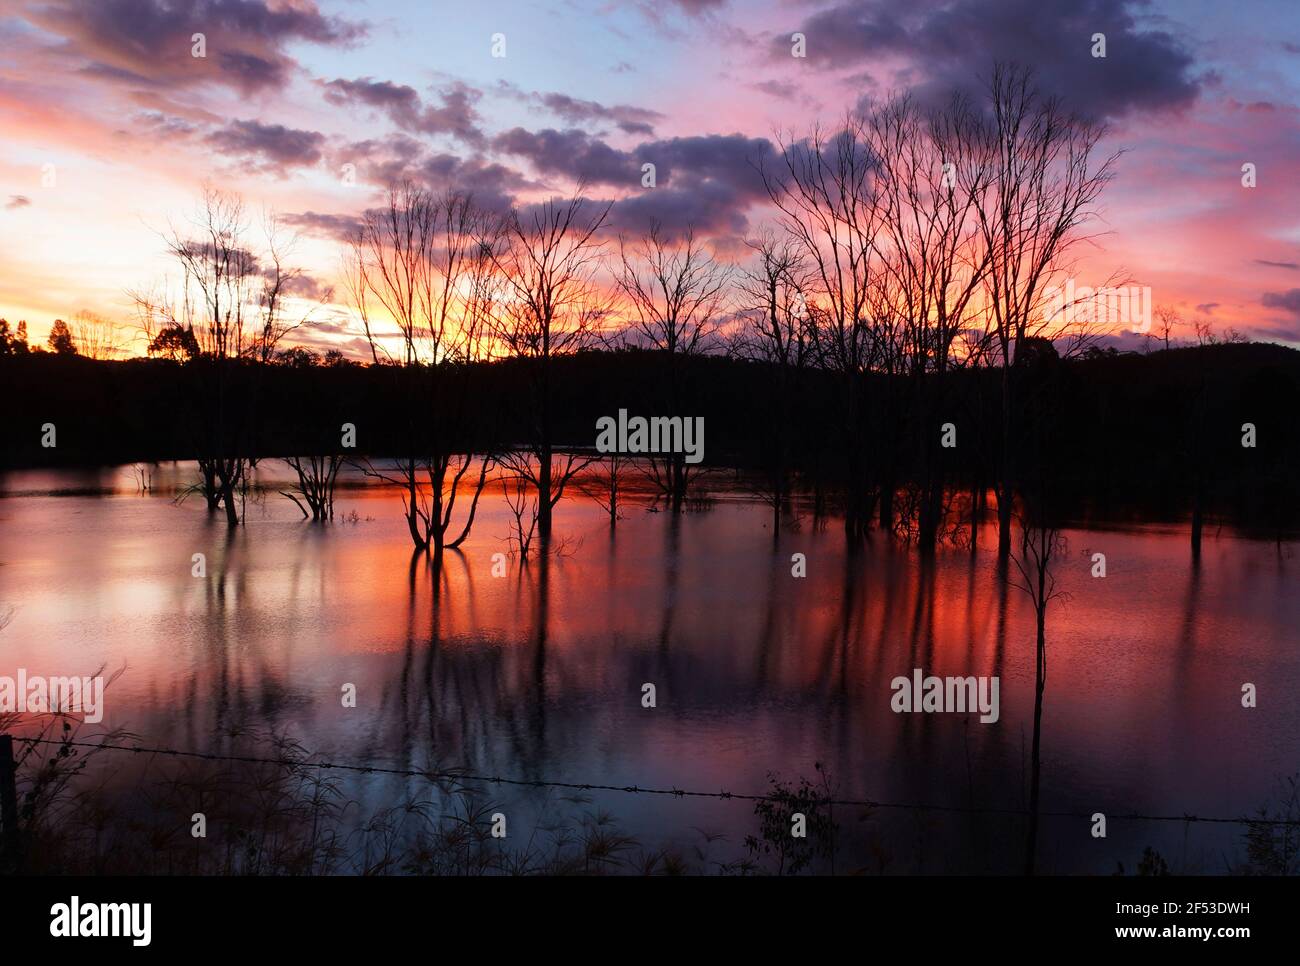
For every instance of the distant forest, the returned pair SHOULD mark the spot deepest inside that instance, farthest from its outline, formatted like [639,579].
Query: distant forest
[1121,431]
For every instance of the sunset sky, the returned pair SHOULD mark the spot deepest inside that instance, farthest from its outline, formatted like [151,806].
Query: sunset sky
[292,91]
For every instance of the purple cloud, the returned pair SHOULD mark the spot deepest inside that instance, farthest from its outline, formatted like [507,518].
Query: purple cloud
[456,115]
[707,182]
[574,110]
[709,207]
[337,227]
[1288,301]
[151,41]
[272,146]
[726,158]
[952,45]
[572,153]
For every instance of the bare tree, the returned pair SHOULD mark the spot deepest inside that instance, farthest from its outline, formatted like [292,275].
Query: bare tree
[1167,320]
[931,261]
[316,478]
[1033,168]
[425,262]
[774,305]
[605,481]
[219,271]
[166,332]
[96,336]
[521,499]
[675,294]
[551,307]
[279,281]
[827,203]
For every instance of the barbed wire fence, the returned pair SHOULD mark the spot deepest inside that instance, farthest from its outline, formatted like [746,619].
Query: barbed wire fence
[6,775]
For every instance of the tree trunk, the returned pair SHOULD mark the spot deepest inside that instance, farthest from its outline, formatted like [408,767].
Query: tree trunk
[544,498]
[437,544]
[1004,520]
[412,517]
[1004,487]
[228,499]
[211,492]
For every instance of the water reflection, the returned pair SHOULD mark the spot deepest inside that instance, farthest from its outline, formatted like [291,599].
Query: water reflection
[539,674]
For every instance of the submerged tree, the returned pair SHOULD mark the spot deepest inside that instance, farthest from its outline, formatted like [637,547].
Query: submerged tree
[550,306]
[423,262]
[605,482]
[316,478]
[825,194]
[219,271]
[675,292]
[774,305]
[220,321]
[1034,170]
[930,266]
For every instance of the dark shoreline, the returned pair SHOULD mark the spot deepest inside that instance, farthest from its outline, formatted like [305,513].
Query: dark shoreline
[1126,434]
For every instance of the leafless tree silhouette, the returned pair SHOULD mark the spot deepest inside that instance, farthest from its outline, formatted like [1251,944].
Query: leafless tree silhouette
[1036,176]
[772,301]
[824,191]
[219,272]
[317,476]
[96,336]
[675,292]
[424,262]
[550,306]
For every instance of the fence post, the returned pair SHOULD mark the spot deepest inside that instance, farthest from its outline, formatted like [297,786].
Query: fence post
[8,798]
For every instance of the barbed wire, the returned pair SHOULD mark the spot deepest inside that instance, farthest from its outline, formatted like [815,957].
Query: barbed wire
[815,801]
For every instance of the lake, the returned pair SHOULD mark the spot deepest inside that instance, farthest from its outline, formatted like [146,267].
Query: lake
[539,674]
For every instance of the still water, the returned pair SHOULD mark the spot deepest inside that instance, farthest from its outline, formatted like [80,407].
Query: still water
[539,674]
